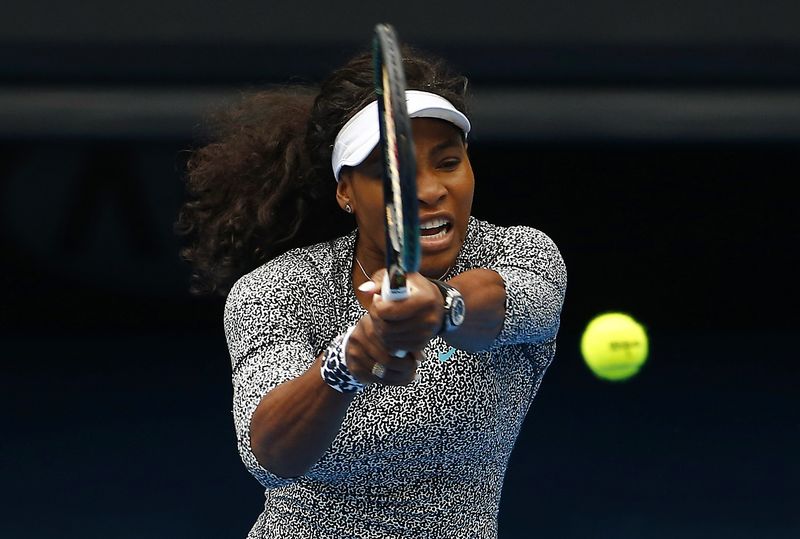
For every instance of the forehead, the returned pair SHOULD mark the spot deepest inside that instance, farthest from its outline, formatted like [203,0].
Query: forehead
[435,128]
[429,134]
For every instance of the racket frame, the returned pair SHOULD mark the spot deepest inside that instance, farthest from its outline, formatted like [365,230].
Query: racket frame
[401,215]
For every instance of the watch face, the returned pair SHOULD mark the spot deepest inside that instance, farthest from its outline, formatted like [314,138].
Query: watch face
[457,311]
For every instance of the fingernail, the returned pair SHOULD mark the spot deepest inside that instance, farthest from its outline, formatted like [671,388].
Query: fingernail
[368,286]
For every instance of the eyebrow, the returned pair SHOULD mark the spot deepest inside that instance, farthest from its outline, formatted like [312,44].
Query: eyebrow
[376,155]
[454,140]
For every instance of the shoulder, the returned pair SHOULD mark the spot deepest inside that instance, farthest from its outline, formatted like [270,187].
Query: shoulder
[485,237]
[288,274]
[285,271]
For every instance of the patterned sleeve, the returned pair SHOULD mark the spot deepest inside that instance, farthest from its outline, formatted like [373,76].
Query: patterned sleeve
[535,278]
[268,334]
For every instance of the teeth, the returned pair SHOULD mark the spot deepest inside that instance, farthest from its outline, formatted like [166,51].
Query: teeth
[434,236]
[434,223]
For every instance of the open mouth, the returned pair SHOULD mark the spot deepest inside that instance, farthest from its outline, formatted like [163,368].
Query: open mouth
[434,229]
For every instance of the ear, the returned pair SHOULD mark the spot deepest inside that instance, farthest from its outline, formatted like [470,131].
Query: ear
[344,190]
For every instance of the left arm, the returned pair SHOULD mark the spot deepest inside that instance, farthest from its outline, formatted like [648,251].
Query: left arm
[411,323]
[485,301]
[517,294]
[514,295]
[535,279]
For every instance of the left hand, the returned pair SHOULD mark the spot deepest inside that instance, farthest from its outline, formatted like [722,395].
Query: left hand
[410,323]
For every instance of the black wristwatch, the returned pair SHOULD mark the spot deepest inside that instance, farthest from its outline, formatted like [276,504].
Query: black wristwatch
[454,308]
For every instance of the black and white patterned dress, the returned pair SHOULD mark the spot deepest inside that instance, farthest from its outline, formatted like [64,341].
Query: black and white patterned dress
[421,461]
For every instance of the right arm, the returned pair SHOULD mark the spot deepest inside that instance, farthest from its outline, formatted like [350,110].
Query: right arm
[296,422]
[286,415]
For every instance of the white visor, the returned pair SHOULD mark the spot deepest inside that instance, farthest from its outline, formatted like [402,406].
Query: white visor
[361,133]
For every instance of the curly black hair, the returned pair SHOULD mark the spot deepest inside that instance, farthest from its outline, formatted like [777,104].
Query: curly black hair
[251,190]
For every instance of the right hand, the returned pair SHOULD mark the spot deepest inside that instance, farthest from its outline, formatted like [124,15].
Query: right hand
[408,325]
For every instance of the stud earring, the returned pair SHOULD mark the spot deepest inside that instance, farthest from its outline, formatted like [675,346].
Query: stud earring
[348,208]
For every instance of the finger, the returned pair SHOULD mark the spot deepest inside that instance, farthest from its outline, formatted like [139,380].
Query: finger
[395,377]
[416,340]
[372,286]
[362,354]
[425,326]
[395,364]
[396,310]
[408,334]
[365,349]
[413,307]
[401,314]
[368,287]
[400,364]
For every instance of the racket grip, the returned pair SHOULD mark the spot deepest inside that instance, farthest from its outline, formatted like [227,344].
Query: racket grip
[396,294]
[390,294]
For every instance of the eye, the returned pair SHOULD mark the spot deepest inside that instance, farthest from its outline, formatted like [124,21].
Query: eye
[449,163]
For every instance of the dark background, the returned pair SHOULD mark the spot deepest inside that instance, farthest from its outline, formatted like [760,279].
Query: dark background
[656,142]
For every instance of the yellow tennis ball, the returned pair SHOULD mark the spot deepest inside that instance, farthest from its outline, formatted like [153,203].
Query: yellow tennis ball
[614,346]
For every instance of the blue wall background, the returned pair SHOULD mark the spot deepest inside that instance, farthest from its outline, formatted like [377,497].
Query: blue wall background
[655,142]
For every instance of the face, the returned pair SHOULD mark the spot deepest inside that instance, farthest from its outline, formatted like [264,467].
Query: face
[445,186]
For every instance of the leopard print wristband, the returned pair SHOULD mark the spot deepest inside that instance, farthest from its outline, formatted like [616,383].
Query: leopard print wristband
[334,366]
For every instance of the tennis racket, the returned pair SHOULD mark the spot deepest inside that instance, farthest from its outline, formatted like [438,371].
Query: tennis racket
[401,215]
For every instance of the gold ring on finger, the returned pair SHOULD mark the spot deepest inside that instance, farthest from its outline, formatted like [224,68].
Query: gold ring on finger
[378,370]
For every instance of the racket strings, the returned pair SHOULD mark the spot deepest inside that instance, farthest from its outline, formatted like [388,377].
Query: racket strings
[394,211]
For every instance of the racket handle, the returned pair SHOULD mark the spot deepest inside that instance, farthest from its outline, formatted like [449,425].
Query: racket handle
[394,295]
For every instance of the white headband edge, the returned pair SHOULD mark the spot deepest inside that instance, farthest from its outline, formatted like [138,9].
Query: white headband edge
[357,138]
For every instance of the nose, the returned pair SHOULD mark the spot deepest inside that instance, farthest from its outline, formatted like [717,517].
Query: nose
[430,189]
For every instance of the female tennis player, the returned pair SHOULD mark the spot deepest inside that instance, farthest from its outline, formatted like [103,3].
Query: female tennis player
[348,439]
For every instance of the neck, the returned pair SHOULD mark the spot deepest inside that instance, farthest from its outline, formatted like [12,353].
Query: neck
[366,275]
[367,261]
